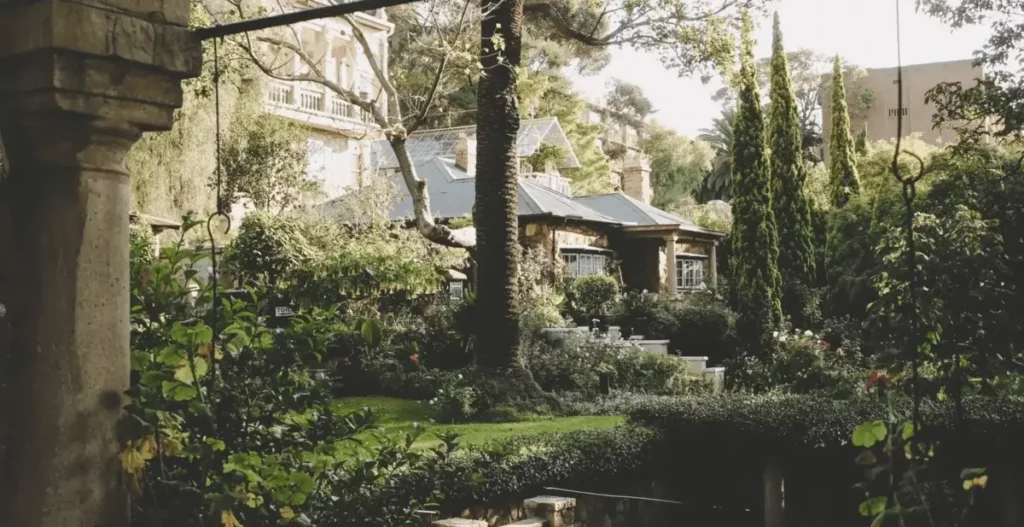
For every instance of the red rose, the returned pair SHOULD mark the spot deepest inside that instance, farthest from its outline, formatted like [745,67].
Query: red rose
[415,358]
[872,379]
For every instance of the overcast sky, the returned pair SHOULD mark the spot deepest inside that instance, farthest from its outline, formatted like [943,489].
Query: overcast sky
[861,31]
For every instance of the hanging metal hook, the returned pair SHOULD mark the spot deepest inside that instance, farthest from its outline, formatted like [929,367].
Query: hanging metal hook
[219,212]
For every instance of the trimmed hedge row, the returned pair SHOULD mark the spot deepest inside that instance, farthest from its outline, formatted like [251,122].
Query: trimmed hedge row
[803,421]
[523,466]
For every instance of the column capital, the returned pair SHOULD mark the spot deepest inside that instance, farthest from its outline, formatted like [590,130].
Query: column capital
[98,61]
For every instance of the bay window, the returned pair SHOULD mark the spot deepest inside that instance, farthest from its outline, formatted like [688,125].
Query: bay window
[586,261]
[690,272]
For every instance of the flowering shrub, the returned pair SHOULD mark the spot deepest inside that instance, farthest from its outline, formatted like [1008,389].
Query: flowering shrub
[805,363]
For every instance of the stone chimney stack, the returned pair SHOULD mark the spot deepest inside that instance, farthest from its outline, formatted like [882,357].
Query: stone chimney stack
[465,154]
[636,179]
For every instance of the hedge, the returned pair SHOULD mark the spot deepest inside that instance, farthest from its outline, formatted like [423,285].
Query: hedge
[801,421]
[519,467]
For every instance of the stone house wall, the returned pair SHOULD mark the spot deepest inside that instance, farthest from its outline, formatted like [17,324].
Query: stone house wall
[550,236]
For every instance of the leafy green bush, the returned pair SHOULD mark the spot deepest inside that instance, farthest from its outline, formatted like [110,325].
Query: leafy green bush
[593,296]
[699,325]
[804,364]
[578,363]
[782,421]
[241,429]
[642,314]
[524,466]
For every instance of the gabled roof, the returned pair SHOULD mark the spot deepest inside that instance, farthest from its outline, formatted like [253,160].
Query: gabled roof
[426,145]
[630,210]
[453,192]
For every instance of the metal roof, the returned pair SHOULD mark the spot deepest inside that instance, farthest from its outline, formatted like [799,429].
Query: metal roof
[631,210]
[452,194]
[425,145]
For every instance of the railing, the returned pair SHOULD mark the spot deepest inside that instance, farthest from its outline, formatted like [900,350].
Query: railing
[554,182]
[311,100]
[318,102]
[280,94]
[342,108]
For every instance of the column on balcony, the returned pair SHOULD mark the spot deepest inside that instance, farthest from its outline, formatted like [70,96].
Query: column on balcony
[670,285]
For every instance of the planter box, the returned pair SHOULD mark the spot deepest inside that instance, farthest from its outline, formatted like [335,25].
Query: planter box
[716,376]
[653,346]
[697,364]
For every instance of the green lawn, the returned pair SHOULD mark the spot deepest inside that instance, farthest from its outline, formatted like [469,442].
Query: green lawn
[398,415]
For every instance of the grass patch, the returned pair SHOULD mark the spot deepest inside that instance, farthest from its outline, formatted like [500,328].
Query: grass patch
[398,417]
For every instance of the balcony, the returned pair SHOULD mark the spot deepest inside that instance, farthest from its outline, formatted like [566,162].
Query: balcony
[314,104]
[311,100]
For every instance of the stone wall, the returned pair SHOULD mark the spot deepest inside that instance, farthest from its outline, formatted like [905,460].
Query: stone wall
[549,237]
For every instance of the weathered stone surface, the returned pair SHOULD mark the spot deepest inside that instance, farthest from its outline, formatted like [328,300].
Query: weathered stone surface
[459,522]
[81,82]
[549,504]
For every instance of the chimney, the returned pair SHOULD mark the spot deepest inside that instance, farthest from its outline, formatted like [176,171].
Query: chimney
[465,154]
[636,179]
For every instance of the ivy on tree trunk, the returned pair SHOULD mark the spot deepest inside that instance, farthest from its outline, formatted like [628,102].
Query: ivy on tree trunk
[495,212]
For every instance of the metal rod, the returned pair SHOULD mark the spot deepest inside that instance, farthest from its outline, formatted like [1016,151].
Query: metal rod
[256,24]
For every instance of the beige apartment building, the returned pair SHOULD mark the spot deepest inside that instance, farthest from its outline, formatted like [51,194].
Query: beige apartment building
[879,120]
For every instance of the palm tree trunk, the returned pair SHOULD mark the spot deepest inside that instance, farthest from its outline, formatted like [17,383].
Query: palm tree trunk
[497,171]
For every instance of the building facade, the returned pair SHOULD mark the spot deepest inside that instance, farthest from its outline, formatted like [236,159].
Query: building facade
[619,234]
[879,121]
[340,132]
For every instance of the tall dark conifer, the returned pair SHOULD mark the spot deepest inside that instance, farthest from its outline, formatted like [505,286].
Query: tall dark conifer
[790,203]
[756,280]
[843,178]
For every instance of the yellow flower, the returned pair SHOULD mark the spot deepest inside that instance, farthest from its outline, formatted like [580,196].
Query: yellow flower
[227,519]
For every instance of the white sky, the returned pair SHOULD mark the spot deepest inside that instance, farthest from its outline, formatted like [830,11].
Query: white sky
[861,31]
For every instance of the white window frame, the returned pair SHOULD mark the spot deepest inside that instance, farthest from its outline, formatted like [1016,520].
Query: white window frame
[456,289]
[586,263]
[691,273]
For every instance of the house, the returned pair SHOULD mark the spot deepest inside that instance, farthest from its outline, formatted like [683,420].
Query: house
[879,121]
[620,232]
[340,133]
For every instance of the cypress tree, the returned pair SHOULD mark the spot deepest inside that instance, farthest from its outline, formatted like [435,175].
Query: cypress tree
[790,203]
[756,282]
[843,178]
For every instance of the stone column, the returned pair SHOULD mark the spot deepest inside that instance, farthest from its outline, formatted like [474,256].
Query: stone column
[82,80]
[670,254]
[713,264]
[774,494]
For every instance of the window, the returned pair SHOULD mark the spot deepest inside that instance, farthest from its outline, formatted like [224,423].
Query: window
[456,289]
[585,264]
[893,112]
[689,273]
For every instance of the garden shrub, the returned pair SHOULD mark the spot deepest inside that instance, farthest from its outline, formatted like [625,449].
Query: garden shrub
[698,325]
[593,297]
[805,363]
[642,314]
[240,430]
[577,364]
[785,421]
[522,467]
